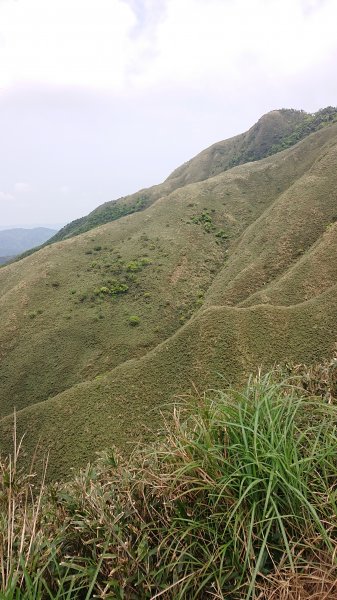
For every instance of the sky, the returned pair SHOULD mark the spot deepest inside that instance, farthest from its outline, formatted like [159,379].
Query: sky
[100,98]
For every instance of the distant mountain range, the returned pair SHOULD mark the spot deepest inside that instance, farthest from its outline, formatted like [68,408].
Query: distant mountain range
[18,240]
[228,265]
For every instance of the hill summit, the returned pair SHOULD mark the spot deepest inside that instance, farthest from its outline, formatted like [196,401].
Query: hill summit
[227,265]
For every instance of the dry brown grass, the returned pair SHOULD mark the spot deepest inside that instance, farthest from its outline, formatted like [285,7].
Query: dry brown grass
[316,580]
[20,511]
[319,379]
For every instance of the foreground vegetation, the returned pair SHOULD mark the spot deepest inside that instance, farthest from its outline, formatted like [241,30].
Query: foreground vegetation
[237,501]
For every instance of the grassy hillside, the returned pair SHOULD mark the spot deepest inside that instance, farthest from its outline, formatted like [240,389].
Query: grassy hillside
[275,131]
[100,331]
[302,219]
[66,310]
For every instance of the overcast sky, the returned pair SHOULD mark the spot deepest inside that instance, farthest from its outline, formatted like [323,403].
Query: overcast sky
[99,98]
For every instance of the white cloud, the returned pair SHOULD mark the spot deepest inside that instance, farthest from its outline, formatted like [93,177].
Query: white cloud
[22,188]
[99,98]
[6,197]
[226,42]
[65,189]
[65,42]
[126,44]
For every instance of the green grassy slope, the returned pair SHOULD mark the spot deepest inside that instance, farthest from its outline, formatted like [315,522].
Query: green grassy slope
[211,271]
[61,327]
[122,407]
[283,234]
[275,131]
[236,469]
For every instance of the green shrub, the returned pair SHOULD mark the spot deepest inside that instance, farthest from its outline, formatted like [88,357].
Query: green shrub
[133,266]
[134,320]
[137,264]
[111,289]
[208,227]
[102,290]
[202,219]
[221,234]
[205,220]
[119,288]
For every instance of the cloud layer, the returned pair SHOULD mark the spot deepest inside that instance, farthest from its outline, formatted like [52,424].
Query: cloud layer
[142,43]
[101,97]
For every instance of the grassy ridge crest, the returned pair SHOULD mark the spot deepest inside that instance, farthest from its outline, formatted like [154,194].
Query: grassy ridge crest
[275,131]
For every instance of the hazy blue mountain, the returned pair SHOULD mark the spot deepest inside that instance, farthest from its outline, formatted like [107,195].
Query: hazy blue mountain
[5,259]
[15,241]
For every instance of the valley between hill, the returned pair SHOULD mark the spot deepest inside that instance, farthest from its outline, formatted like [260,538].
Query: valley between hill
[215,272]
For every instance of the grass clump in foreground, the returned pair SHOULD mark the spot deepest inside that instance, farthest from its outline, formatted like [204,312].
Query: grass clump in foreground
[238,501]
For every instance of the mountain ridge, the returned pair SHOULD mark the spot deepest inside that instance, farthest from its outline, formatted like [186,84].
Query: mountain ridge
[210,271]
[272,133]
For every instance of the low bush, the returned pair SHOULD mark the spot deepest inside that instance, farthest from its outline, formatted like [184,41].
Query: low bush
[137,264]
[134,320]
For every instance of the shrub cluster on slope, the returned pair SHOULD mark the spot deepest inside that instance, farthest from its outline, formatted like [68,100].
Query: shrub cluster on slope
[110,211]
[311,122]
[239,499]
[304,125]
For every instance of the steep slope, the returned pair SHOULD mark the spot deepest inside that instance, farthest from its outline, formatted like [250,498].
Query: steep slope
[210,272]
[123,407]
[254,144]
[275,131]
[306,210]
[66,310]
